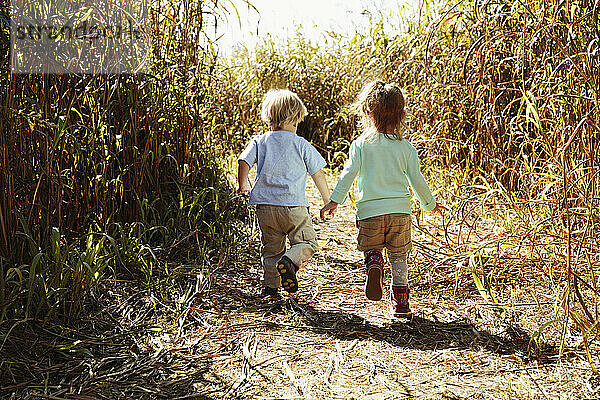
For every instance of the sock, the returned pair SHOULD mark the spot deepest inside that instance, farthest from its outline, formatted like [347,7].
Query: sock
[399,269]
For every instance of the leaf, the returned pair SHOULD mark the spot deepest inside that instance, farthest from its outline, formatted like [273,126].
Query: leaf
[55,244]
[531,112]
[85,351]
[15,271]
[32,279]
[478,283]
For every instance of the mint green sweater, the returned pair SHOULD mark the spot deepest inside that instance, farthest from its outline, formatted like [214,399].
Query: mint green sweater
[385,169]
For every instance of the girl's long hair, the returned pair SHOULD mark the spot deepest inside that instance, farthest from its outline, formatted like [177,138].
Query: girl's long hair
[381,108]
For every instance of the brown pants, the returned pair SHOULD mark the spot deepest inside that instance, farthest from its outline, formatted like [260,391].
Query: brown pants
[276,223]
[391,231]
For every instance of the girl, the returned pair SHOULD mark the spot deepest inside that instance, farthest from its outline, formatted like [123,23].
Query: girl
[386,164]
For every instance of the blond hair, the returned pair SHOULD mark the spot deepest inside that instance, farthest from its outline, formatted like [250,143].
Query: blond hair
[280,107]
[381,107]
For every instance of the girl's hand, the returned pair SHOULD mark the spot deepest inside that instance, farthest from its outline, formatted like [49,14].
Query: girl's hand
[328,208]
[440,209]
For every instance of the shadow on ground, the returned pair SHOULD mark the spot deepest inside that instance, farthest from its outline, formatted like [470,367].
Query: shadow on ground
[426,334]
[239,291]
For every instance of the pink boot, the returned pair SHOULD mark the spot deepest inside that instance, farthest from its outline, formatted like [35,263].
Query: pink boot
[399,301]
[374,264]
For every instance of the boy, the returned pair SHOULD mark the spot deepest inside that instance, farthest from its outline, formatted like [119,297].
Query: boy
[282,161]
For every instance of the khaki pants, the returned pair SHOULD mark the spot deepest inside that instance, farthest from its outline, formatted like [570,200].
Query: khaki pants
[391,231]
[276,223]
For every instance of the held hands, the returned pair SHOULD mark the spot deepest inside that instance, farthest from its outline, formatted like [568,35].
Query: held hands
[328,209]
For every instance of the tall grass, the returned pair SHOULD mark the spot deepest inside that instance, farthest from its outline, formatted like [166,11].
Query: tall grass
[100,173]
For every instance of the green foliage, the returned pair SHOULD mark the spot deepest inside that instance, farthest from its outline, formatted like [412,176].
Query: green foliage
[495,87]
[103,175]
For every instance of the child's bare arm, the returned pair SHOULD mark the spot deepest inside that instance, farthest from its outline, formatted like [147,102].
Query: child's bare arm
[243,181]
[321,183]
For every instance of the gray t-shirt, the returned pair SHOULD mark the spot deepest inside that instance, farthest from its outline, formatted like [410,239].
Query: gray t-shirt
[282,161]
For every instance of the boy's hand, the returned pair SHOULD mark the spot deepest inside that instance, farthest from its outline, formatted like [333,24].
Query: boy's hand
[440,209]
[244,188]
[328,208]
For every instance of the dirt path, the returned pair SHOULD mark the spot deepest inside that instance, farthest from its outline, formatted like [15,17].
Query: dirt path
[330,342]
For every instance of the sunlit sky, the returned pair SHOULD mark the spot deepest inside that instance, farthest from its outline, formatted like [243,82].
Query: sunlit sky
[280,18]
